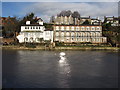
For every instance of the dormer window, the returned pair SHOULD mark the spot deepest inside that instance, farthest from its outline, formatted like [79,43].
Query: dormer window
[27,22]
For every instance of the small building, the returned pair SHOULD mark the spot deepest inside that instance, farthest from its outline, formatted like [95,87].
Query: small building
[96,21]
[114,21]
[34,33]
[77,33]
[92,21]
[48,35]
[67,18]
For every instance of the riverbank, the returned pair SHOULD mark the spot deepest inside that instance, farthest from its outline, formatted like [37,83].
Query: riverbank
[61,48]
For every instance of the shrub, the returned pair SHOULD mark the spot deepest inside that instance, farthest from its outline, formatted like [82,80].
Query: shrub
[30,45]
[59,43]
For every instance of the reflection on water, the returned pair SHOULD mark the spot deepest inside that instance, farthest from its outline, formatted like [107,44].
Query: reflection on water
[54,69]
[64,65]
[64,70]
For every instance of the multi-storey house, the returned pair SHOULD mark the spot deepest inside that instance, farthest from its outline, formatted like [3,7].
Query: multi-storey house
[77,33]
[34,33]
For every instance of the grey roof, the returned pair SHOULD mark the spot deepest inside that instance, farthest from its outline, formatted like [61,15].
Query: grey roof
[32,25]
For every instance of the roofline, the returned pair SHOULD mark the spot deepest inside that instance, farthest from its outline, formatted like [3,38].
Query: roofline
[33,25]
[78,25]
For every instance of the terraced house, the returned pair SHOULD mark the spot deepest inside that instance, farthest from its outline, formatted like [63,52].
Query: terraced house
[78,33]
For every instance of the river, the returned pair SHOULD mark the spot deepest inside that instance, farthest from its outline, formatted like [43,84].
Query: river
[48,69]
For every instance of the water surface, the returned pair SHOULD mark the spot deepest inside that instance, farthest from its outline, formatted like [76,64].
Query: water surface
[47,69]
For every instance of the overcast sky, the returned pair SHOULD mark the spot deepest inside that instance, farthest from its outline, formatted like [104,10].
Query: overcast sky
[46,9]
[60,0]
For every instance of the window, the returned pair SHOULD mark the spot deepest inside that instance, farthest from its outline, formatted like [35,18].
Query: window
[77,28]
[57,39]
[62,34]
[31,39]
[25,39]
[25,27]
[82,39]
[67,28]
[87,34]
[62,28]
[31,27]
[57,28]
[98,28]
[72,34]
[83,34]
[57,33]
[77,39]
[77,35]
[72,28]
[87,28]
[39,27]
[92,28]
[82,28]
[67,34]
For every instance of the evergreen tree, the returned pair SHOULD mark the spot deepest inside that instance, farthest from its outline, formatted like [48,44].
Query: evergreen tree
[86,22]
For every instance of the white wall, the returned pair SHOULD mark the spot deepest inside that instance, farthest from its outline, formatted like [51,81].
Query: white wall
[48,35]
[36,28]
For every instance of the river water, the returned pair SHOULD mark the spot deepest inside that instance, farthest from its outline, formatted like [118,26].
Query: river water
[48,69]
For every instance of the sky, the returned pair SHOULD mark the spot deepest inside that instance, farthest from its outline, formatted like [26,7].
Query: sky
[60,0]
[45,10]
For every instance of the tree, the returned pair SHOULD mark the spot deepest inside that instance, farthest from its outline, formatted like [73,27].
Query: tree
[10,27]
[86,22]
[76,14]
[30,17]
[52,19]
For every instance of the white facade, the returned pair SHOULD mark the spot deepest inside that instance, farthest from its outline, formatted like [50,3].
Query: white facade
[34,34]
[48,35]
[69,34]
[40,22]
[27,22]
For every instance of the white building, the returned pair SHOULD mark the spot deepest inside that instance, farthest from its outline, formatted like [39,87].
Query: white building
[48,35]
[76,33]
[96,21]
[34,33]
